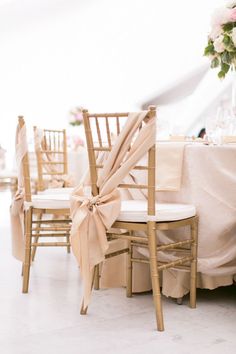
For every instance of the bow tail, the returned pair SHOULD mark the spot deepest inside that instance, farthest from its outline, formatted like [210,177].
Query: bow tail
[86,237]
[17,227]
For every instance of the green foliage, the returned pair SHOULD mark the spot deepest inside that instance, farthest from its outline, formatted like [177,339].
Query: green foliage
[228,26]
[209,50]
[75,123]
[226,57]
[226,40]
[221,74]
[225,67]
[215,63]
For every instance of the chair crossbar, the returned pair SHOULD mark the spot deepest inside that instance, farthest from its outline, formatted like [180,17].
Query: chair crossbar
[50,244]
[107,115]
[116,253]
[50,221]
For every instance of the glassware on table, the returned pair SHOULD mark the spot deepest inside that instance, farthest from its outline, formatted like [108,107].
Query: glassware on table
[232,125]
[211,126]
[163,129]
[177,133]
[219,126]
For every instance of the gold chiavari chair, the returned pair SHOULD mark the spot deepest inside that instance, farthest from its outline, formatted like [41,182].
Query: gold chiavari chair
[52,165]
[45,216]
[145,216]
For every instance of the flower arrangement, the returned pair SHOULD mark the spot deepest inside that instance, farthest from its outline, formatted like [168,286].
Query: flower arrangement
[221,47]
[76,116]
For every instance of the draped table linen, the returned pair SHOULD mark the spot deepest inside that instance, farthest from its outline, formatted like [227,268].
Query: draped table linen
[208,182]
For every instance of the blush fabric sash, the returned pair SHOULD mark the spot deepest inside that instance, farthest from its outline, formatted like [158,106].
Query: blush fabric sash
[16,209]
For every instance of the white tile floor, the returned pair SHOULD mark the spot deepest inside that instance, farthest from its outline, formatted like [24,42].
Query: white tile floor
[47,319]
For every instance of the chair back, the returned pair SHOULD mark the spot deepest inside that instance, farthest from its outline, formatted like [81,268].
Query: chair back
[51,155]
[102,130]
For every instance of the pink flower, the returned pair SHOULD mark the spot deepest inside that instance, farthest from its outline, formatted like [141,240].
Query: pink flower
[233,14]
[77,141]
[215,32]
[79,117]
[76,116]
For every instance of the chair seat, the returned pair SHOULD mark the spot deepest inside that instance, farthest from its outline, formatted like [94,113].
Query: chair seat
[8,174]
[52,191]
[49,201]
[136,211]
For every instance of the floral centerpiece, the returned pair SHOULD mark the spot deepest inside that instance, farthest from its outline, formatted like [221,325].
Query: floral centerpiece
[76,116]
[221,47]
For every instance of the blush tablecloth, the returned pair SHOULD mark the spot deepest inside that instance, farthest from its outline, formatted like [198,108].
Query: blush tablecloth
[209,182]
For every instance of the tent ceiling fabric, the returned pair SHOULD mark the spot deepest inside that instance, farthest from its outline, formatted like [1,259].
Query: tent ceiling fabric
[18,13]
[179,89]
[199,95]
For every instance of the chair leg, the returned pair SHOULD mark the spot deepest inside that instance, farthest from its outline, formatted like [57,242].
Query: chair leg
[179,300]
[129,269]
[97,277]
[155,275]
[83,310]
[36,238]
[68,241]
[34,248]
[193,266]
[27,261]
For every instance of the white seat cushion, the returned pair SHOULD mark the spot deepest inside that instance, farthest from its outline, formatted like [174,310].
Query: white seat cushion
[66,190]
[136,211]
[8,174]
[49,201]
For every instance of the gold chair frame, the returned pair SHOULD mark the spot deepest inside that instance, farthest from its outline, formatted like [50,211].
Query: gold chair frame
[51,154]
[36,227]
[149,228]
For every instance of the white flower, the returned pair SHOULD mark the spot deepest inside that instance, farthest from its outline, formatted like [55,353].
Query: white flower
[215,32]
[231,4]
[233,35]
[218,44]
